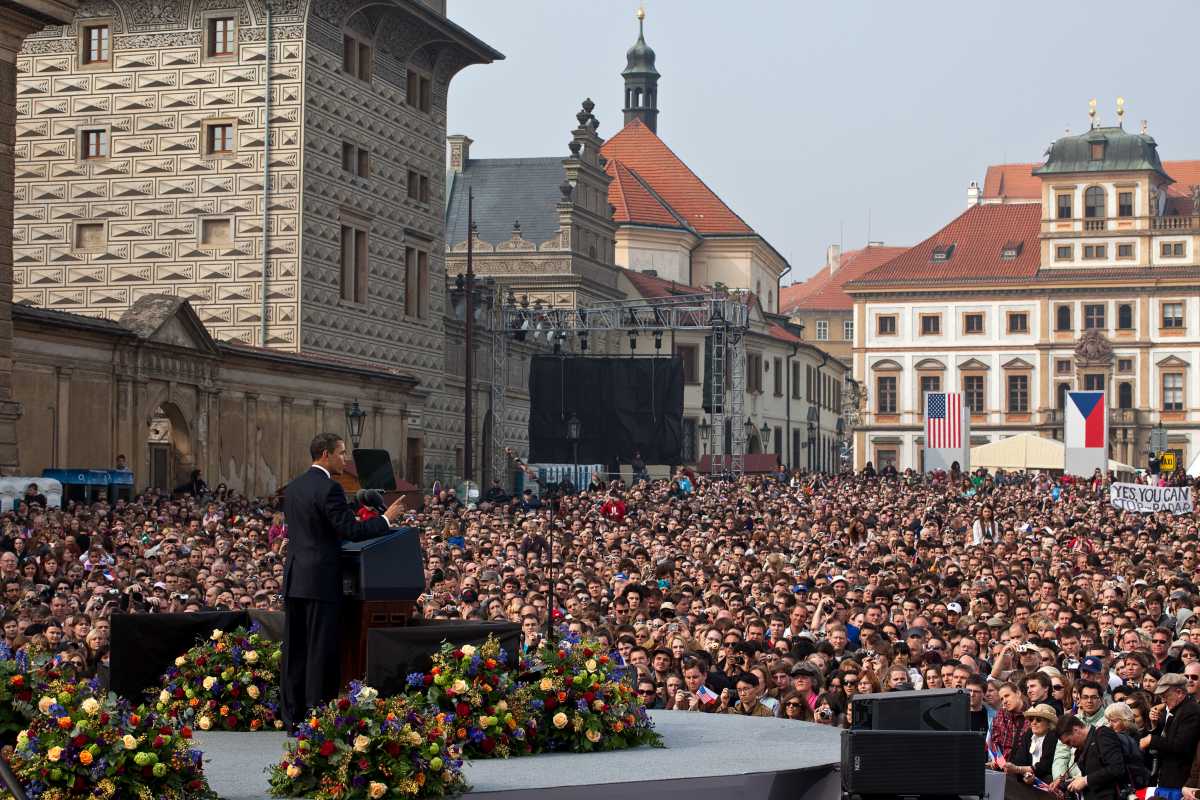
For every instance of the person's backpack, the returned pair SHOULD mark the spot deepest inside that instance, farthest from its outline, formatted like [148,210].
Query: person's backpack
[1137,776]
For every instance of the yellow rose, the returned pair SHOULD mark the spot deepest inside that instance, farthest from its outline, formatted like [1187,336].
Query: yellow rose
[502,706]
[129,742]
[179,662]
[253,692]
[593,735]
[546,684]
[251,656]
[54,753]
[590,664]
[361,743]
[376,789]
[164,696]
[209,682]
[205,723]
[91,706]
[560,720]
[44,704]
[217,634]
[293,771]
[460,686]
[598,705]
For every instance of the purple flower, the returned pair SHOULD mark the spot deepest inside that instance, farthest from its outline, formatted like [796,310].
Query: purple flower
[415,679]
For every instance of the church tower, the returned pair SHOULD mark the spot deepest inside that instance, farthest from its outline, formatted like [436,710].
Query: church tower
[641,80]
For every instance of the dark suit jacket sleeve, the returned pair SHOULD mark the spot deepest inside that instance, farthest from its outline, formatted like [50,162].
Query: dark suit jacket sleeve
[348,527]
[1183,736]
[1020,755]
[1112,761]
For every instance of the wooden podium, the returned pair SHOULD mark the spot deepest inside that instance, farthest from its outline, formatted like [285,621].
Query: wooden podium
[381,581]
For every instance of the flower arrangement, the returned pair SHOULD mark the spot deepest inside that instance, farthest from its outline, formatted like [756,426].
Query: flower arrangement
[16,690]
[474,688]
[584,706]
[83,744]
[228,682]
[365,746]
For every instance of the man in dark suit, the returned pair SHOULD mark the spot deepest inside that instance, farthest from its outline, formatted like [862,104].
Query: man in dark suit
[1098,756]
[1175,732]
[318,519]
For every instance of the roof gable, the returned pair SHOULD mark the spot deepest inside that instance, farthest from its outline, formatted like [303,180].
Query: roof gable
[824,292]
[640,149]
[166,319]
[633,200]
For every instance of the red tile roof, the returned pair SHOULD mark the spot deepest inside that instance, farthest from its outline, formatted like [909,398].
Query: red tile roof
[633,200]
[1017,182]
[978,236]
[651,287]
[640,150]
[782,334]
[824,292]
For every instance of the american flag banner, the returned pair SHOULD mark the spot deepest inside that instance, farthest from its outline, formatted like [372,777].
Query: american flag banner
[943,420]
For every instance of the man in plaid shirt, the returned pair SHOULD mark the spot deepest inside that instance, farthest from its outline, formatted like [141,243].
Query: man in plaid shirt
[1010,720]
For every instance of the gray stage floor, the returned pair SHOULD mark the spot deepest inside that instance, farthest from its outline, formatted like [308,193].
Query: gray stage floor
[697,747]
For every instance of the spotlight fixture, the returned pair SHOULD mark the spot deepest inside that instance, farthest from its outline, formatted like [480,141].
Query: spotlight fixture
[583,340]
[632,341]
[658,334]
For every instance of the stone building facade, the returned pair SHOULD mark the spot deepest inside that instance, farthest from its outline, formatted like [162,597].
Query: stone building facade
[277,166]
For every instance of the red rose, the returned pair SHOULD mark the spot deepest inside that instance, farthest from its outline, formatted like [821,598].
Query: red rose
[488,744]
[186,732]
[392,748]
[165,730]
[589,696]
[104,718]
[462,709]
[457,654]
[201,661]
[587,651]
[178,694]
[428,679]
[234,691]
[79,783]
[231,721]
[25,695]
[326,748]
[559,670]
[343,704]
[551,703]
[79,741]
[562,653]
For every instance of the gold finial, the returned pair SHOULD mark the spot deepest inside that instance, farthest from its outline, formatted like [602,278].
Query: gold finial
[1145,127]
[641,13]
[1120,110]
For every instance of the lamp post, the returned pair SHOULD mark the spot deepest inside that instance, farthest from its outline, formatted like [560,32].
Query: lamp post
[704,427]
[574,432]
[356,418]
[765,430]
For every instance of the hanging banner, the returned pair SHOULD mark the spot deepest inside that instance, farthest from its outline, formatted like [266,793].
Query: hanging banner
[1144,499]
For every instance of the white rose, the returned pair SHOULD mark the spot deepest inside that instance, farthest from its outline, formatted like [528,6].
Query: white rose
[367,695]
[90,706]
[179,662]
[44,704]
[209,682]
[468,650]
[129,742]
[205,723]
[217,634]
[251,656]
[460,686]
[252,690]
[164,696]
[361,743]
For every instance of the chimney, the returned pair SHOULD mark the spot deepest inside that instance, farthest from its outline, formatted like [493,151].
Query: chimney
[974,194]
[833,257]
[460,152]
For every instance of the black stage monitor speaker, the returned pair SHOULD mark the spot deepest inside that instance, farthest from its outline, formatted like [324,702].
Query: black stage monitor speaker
[912,763]
[928,710]
[374,468]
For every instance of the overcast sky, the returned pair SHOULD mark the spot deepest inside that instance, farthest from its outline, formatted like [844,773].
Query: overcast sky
[807,117]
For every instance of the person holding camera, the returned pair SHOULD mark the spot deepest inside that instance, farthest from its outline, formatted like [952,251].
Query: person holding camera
[748,703]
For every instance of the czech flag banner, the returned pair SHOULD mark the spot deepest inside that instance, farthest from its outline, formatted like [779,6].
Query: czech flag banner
[1085,433]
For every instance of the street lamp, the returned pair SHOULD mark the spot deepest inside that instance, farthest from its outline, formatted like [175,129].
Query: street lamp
[765,430]
[356,418]
[704,427]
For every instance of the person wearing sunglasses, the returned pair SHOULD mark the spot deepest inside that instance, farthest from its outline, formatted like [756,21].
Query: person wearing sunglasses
[795,707]
[648,694]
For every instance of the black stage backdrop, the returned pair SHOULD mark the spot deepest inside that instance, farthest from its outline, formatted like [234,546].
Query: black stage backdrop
[394,653]
[624,404]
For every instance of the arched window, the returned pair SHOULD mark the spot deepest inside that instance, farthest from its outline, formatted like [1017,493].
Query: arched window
[1124,316]
[1063,318]
[1063,388]
[1094,203]
[1125,395]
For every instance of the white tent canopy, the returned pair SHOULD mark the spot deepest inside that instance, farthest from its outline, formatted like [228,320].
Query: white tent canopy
[1027,451]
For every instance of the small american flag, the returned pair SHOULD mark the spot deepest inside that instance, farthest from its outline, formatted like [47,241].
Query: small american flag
[943,420]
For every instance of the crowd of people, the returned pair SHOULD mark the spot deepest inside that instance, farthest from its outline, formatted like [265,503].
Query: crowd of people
[1071,625]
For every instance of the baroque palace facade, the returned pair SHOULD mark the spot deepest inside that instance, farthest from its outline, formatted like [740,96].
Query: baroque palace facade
[1075,273]
[279,168]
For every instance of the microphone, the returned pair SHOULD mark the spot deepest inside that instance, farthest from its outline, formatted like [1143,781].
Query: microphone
[372,499]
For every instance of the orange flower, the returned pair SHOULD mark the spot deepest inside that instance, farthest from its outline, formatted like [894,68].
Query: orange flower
[134,719]
[255,724]
[461,733]
[420,779]
[85,757]
[17,680]
[562,697]
[65,723]
[490,663]
[618,727]
[195,701]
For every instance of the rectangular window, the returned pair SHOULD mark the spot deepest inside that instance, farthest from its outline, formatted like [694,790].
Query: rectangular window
[931,324]
[1095,252]
[795,381]
[423,284]
[419,91]
[1063,252]
[89,236]
[363,163]
[822,330]
[848,330]
[93,143]
[1172,391]
[972,386]
[887,457]
[885,325]
[885,394]
[1018,322]
[689,355]
[1124,365]
[218,138]
[349,55]
[1172,249]
[1172,315]
[423,193]
[972,323]
[777,366]
[930,383]
[1063,366]
[410,281]
[754,372]
[216,232]
[1093,382]
[1124,251]
[414,185]
[1018,394]
[426,94]
[1097,151]
[96,44]
[1093,316]
[222,36]
[688,450]
[1064,205]
[348,152]
[354,264]
[1124,204]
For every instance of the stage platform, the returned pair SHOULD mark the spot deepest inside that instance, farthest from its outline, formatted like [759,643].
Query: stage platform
[707,757]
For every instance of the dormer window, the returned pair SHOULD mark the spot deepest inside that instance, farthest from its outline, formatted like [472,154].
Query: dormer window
[942,252]
[1097,151]
[1011,250]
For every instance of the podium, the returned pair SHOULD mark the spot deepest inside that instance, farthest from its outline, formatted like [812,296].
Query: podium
[381,581]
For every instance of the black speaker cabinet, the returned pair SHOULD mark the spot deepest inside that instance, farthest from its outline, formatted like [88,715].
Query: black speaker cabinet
[927,710]
[912,763]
